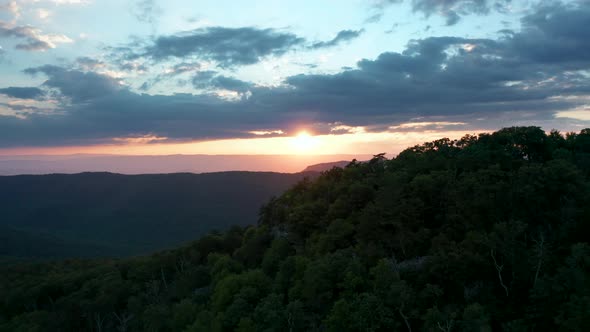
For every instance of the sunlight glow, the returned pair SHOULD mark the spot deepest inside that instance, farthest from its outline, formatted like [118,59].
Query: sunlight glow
[304,142]
[582,114]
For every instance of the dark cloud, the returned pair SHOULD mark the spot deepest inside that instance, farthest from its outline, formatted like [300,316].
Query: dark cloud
[429,7]
[88,63]
[452,10]
[377,9]
[77,85]
[202,79]
[556,34]
[226,46]
[211,80]
[133,67]
[176,70]
[126,114]
[33,45]
[22,92]
[341,37]
[384,3]
[23,109]
[231,83]
[28,34]
[452,17]
[520,76]
[448,75]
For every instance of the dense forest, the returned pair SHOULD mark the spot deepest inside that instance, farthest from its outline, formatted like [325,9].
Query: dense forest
[106,214]
[484,233]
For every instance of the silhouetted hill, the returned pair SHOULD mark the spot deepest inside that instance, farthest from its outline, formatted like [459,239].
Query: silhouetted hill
[94,214]
[326,166]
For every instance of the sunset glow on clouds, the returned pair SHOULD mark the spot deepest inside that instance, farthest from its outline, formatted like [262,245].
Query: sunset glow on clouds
[227,77]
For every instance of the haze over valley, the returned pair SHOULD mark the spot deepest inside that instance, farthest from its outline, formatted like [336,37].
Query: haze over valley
[156,164]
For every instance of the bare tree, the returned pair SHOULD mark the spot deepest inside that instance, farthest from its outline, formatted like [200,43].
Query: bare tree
[446,326]
[499,268]
[540,249]
[401,313]
[163,278]
[181,265]
[98,321]
[123,320]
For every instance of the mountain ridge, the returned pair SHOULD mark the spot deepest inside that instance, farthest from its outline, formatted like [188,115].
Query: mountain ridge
[155,164]
[326,166]
[117,212]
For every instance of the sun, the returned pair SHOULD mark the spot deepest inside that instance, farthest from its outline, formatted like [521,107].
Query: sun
[303,142]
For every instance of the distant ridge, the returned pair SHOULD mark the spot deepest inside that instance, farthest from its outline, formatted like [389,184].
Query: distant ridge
[72,164]
[107,214]
[326,166]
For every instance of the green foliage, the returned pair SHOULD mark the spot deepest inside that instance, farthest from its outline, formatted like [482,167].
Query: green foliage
[485,233]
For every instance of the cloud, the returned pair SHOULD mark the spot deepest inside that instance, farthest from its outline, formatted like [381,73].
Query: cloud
[43,13]
[266,132]
[33,38]
[374,18]
[429,7]
[231,84]
[142,139]
[176,70]
[531,76]
[556,34]
[203,78]
[426,125]
[12,7]
[452,17]
[23,107]
[581,114]
[22,92]
[341,37]
[76,85]
[211,80]
[89,64]
[147,11]
[384,3]
[70,2]
[226,46]
[133,66]
[451,10]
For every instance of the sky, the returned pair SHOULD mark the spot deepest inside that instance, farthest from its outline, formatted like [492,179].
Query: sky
[285,77]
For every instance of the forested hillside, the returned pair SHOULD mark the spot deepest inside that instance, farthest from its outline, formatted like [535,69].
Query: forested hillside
[485,233]
[106,214]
